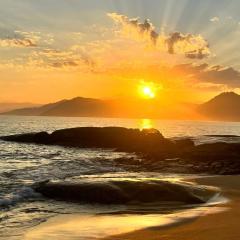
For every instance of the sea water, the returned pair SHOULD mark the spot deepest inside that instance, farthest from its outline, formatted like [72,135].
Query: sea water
[21,165]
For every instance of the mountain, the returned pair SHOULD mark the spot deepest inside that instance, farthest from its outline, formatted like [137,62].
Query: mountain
[89,107]
[224,107]
[5,106]
[33,111]
[79,106]
[76,107]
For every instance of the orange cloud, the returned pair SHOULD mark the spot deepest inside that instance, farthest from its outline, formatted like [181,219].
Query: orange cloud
[192,46]
[133,27]
[15,42]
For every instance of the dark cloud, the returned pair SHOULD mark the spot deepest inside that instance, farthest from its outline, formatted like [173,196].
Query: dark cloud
[211,74]
[146,28]
[197,54]
[227,76]
[173,39]
[200,46]
[63,64]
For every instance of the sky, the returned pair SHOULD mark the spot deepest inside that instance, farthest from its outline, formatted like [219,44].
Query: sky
[58,49]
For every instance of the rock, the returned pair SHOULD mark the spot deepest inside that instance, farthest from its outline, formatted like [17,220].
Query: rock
[184,143]
[132,140]
[155,151]
[39,137]
[124,192]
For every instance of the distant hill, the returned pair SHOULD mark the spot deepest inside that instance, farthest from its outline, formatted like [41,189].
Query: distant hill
[224,107]
[89,107]
[8,106]
[33,111]
[70,108]
[79,106]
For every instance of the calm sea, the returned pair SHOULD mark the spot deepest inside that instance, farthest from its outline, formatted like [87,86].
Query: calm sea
[24,164]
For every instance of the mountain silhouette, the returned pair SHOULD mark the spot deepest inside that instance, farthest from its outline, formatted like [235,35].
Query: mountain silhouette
[223,107]
[75,107]
[34,111]
[119,108]
[8,106]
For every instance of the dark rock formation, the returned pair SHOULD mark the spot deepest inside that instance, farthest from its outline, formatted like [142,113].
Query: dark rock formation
[124,192]
[99,137]
[39,137]
[157,152]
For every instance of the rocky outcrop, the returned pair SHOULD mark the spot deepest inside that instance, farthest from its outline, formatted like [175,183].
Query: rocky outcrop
[133,140]
[157,152]
[125,192]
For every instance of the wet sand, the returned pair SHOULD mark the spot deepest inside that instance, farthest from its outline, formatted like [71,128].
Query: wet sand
[223,224]
[220,226]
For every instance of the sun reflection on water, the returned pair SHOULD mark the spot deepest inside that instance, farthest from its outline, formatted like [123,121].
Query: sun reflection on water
[146,124]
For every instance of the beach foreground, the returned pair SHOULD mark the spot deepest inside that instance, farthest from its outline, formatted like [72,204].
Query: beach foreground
[223,225]
[220,222]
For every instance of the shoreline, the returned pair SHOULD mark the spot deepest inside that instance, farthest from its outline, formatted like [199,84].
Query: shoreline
[199,228]
[204,227]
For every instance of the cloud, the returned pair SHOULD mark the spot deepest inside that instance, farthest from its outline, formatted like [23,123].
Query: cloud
[25,39]
[216,74]
[16,42]
[83,54]
[189,45]
[64,64]
[53,53]
[215,19]
[143,30]
[220,75]
[87,59]
[193,46]
[74,56]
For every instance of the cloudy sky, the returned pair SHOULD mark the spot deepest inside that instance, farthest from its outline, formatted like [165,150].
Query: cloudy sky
[55,49]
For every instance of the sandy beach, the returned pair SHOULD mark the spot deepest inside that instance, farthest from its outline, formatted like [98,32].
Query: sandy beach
[220,226]
[221,223]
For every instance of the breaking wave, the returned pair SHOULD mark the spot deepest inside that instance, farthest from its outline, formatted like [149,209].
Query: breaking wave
[18,196]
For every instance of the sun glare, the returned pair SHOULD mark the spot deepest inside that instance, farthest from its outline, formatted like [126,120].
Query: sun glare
[147,90]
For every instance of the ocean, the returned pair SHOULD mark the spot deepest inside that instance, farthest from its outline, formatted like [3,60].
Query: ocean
[22,165]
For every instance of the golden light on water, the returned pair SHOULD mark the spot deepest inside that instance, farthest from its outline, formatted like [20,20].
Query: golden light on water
[146,124]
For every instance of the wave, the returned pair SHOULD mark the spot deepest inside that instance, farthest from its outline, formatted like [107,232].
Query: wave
[18,196]
[126,192]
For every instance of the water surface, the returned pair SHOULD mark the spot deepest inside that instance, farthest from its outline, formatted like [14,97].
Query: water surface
[24,164]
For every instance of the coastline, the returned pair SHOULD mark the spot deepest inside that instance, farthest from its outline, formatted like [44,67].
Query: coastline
[200,228]
[205,227]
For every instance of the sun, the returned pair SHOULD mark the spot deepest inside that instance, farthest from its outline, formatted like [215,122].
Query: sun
[147,90]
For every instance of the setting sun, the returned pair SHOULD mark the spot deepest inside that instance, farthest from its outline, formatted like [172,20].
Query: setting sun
[148,90]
